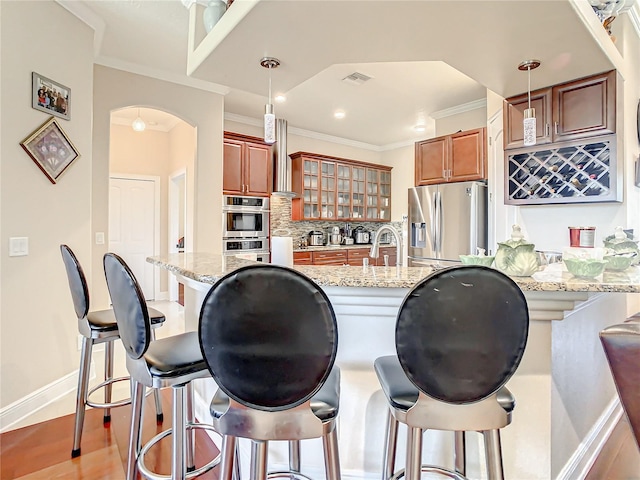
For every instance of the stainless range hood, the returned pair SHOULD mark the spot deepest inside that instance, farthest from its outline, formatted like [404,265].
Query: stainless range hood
[283,162]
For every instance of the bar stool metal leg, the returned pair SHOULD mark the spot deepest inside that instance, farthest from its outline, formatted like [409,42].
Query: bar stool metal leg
[493,452]
[390,445]
[190,440]
[229,457]
[178,443]
[259,451]
[258,460]
[108,375]
[460,453]
[81,394]
[156,392]
[414,454]
[294,455]
[236,468]
[331,455]
[135,435]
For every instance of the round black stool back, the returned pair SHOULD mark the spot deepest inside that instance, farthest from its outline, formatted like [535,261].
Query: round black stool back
[461,333]
[129,306]
[77,282]
[269,336]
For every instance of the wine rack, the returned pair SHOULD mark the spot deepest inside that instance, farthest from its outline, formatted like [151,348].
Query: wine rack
[572,172]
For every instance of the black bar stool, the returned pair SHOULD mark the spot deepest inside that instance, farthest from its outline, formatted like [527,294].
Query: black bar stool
[269,337]
[169,362]
[621,345]
[96,327]
[460,335]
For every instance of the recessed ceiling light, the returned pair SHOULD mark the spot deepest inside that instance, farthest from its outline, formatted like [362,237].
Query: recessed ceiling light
[339,114]
[419,128]
[280,98]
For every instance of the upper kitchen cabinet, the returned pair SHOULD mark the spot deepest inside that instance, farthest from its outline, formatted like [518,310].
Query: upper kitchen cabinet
[247,166]
[514,115]
[582,108]
[458,157]
[331,188]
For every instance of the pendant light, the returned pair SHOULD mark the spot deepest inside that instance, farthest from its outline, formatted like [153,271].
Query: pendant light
[138,124]
[529,121]
[269,117]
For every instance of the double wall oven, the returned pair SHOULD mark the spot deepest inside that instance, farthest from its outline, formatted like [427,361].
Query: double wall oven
[246,226]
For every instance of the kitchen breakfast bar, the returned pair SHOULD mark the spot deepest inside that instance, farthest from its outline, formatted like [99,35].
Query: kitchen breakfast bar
[566,403]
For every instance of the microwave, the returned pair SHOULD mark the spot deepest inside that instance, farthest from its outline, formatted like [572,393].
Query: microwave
[245,217]
[254,247]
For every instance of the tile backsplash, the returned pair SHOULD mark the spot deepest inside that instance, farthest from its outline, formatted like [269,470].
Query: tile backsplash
[283,226]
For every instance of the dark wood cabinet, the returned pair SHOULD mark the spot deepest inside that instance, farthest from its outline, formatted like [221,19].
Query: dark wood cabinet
[356,256]
[247,168]
[585,108]
[582,108]
[451,158]
[332,188]
[345,256]
[302,258]
[330,257]
[514,115]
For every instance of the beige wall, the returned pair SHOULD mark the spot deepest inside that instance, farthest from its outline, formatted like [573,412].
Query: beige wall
[38,327]
[182,157]
[116,89]
[298,143]
[462,121]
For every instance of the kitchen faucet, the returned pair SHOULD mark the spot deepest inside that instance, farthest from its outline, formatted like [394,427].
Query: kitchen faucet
[375,247]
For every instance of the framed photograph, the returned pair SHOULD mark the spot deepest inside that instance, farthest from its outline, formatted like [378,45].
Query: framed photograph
[50,97]
[50,148]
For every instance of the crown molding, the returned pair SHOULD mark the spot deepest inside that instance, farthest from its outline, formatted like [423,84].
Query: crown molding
[160,74]
[465,107]
[88,16]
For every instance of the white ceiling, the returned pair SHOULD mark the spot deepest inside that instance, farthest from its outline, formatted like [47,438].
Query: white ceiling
[402,45]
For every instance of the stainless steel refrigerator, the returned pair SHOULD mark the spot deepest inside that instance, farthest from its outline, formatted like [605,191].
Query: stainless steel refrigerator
[446,221]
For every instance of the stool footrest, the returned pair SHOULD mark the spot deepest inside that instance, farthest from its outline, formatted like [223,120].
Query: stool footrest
[290,474]
[142,468]
[110,381]
[431,469]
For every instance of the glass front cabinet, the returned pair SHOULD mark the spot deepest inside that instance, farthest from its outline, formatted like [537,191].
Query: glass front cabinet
[332,188]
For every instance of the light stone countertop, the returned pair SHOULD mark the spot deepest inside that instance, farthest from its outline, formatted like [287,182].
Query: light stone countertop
[208,268]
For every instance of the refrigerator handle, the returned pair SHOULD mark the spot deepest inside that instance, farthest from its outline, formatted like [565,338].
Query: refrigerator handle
[473,193]
[437,224]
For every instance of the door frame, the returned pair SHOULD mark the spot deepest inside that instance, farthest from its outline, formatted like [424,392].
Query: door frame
[173,223]
[156,218]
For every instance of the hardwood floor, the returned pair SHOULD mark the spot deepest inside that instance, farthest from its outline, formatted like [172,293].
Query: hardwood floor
[43,451]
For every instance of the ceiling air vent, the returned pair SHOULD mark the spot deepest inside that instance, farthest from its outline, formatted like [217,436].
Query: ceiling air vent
[356,78]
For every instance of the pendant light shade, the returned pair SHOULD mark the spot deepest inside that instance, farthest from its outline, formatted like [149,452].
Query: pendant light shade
[138,124]
[529,120]
[269,117]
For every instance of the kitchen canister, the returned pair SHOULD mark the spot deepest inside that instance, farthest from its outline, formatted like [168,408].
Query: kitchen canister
[582,237]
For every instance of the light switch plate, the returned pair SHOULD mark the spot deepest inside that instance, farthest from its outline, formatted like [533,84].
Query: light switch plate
[18,246]
[99,238]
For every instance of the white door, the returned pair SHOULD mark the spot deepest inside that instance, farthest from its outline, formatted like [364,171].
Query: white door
[132,206]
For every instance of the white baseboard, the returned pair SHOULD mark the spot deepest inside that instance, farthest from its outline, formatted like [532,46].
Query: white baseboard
[39,399]
[587,452]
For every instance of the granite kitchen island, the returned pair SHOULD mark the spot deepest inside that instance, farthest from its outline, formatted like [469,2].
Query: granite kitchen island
[566,401]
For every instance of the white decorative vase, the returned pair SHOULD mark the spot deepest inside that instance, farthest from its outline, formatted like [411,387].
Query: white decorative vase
[212,13]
